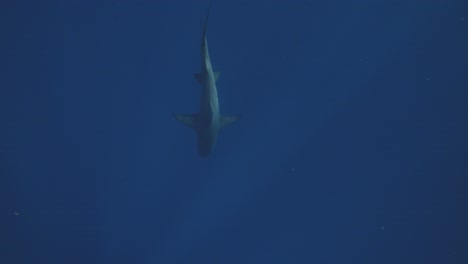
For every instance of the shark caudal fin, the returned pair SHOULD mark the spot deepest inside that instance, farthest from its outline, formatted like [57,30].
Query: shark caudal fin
[227,120]
[188,120]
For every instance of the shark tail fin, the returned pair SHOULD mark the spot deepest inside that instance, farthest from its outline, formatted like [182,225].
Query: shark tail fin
[188,120]
[227,120]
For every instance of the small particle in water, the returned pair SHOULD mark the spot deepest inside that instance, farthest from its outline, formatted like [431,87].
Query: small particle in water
[383,227]
[293,169]
[15,213]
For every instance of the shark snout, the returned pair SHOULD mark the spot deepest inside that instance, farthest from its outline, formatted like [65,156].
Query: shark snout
[204,152]
[206,144]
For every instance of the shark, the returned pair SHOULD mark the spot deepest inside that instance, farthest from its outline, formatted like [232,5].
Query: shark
[208,121]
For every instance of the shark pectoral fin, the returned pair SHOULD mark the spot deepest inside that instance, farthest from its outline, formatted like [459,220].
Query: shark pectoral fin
[216,75]
[188,120]
[198,77]
[227,120]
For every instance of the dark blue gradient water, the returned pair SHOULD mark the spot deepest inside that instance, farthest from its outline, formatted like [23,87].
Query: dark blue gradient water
[352,147]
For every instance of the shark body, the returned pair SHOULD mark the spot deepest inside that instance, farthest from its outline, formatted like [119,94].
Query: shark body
[208,121]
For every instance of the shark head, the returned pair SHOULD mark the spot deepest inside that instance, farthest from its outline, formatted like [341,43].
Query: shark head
[206,143]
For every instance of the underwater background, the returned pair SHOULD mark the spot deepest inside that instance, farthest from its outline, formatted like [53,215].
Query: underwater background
[352,147]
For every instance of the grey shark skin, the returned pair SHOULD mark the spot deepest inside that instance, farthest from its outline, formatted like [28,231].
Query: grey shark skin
[208,121]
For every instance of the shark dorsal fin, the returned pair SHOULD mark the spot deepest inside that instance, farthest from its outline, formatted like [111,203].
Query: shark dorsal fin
[216,75]
[199,76]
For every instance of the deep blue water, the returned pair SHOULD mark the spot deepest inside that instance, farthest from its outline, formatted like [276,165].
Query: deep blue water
[353,146]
